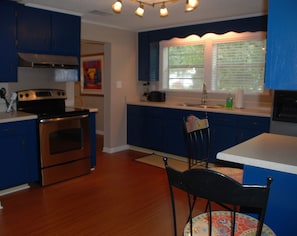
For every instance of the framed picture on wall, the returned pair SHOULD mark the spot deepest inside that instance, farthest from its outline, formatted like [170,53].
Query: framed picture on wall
[92,74]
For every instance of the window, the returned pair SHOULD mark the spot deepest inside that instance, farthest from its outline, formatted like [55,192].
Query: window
[225,62]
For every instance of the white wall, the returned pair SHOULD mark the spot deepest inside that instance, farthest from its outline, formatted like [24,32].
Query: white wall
[120,54]
[90,48]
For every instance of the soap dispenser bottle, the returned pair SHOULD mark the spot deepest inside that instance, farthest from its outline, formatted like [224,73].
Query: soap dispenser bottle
[229,101]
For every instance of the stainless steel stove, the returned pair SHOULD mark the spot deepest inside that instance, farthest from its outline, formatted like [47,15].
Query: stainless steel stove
[64,134]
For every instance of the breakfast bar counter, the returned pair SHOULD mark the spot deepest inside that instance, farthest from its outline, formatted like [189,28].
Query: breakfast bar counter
[276,156]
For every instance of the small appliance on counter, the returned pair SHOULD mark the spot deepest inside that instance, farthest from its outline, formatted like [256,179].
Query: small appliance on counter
[157,96]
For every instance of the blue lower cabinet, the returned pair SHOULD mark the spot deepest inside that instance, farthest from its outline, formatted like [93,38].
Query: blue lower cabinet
[223,131]
[161,129]
[93,138]
[136,126]
[19,163]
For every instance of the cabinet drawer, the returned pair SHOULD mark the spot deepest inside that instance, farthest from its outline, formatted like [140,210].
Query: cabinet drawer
[254,122]
[221,119]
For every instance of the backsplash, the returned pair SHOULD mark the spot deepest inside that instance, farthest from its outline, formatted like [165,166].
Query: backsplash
[2,106]
[29,78]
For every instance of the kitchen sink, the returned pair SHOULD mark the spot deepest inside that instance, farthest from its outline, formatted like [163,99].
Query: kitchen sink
[214,106]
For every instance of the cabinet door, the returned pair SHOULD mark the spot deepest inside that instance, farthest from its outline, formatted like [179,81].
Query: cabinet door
[174,141]
[8,65]
[251,126]
[281,58]
[154,128]
[33,30]
[18,159]
[148,58]
[223,133]
[136,126]
[93,138]
[65,34]
[143,52]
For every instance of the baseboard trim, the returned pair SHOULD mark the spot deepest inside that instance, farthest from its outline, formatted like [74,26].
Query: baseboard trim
[100,132]
[150,151]
[14,189]
[115,149]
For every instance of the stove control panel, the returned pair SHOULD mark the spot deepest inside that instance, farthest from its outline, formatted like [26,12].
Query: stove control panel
[41,94]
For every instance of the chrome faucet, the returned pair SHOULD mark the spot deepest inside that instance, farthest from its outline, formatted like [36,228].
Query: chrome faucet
[204,95]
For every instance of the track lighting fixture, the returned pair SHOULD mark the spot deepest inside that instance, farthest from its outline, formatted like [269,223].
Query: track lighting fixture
[163,10]
[117,6]
[190,6]
[140,10]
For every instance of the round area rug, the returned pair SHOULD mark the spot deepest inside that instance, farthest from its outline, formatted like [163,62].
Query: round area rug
[221,225]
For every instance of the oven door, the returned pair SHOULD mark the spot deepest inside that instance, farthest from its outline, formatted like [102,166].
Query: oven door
[64,140]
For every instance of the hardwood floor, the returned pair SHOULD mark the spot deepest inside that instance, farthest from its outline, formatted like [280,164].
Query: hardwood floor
[120,197]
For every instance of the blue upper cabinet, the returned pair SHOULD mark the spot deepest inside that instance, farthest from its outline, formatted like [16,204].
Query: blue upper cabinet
[8,65]
[41,31]
[33,30]
[281,57]
[65,35]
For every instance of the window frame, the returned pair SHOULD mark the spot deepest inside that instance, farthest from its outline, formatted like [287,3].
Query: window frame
[208,40]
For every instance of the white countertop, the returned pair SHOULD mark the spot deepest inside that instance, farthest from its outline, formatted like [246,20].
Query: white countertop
[264,112]
[270,151]
[15,116]
[19,116]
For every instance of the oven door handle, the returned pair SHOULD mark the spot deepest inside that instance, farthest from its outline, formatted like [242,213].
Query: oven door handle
[63,118]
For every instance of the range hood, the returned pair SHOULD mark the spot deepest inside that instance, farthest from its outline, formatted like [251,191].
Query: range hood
[47,61]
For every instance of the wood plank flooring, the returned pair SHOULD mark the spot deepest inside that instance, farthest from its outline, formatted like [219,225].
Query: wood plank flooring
[120,197]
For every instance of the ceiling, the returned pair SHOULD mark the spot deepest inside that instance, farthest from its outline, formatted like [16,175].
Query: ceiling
[99,12]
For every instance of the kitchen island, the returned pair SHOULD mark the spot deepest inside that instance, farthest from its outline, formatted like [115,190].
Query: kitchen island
[271,155]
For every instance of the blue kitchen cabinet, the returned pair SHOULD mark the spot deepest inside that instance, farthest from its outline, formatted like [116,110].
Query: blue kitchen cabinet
[145,127]
[42,31]
[281,57]
[228,130]
[65,34]
[8,65]
[174,128]
[154,126]
[223,131]
[137,126]
[174,141]
[93,138]
[251,126]
[33,30]
[161,129]
[143,58]
[19,163]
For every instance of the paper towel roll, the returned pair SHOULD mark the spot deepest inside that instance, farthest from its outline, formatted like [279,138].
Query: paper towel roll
[239,98]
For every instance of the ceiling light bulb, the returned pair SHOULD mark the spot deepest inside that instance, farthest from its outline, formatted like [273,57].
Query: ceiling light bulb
[191,5]
[117,6]
[163,11]
[140,10]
